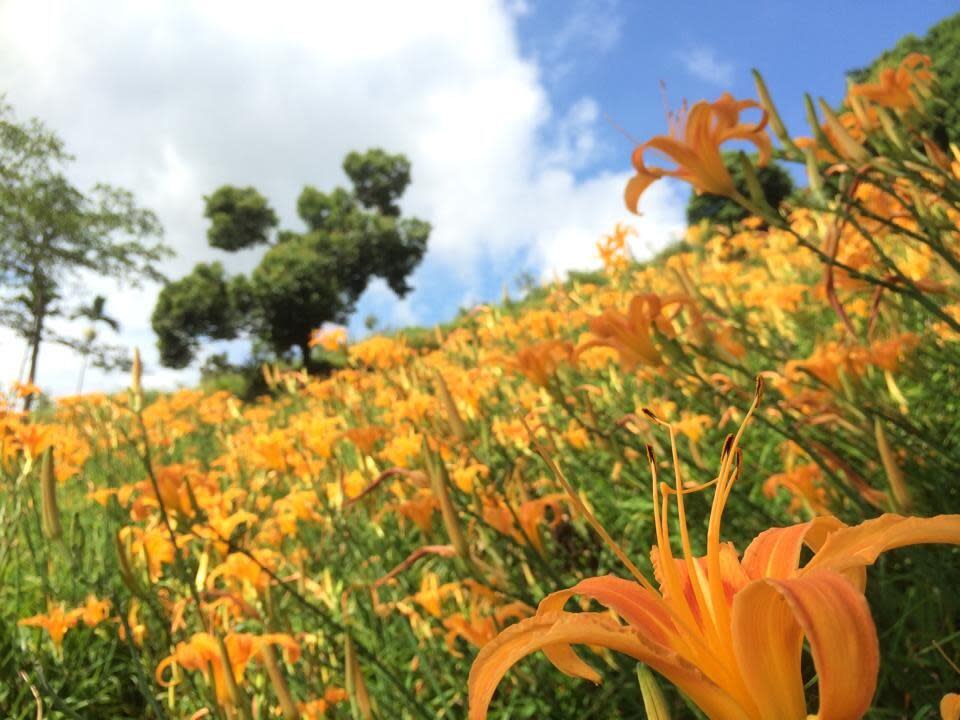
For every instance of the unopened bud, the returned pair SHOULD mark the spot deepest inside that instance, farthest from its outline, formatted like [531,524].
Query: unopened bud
[814,179]
[48,497]
[843,142]
[654,703]
[279,683]
[125,568]
[440,484]
[453,416]
[814,122]
[136,377]
[755,190]
[899,490]
[889,125]
[776,123]
[356,686]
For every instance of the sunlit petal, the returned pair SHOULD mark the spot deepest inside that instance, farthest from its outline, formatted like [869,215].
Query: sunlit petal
[770,619]
[849,550]
[542,631]
[775,553]
[950,707]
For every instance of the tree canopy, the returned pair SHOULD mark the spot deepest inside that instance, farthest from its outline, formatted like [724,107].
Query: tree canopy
[51,233]
[305,278]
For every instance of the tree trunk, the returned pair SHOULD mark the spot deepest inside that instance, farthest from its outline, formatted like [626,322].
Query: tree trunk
[305,353]
[34,354]
[39,312]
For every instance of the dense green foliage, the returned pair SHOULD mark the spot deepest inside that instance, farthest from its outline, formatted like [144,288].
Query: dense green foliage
[304,279]
[51,233]
[239,218]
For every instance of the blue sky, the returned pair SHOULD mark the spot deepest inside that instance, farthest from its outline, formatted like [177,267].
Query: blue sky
[618,53]
[500,105]
[700,49]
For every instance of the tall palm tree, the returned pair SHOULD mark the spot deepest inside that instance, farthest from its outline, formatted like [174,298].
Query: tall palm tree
[94,314]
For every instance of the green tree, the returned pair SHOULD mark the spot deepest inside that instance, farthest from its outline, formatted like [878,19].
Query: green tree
[942,45]
[200,304]
[776,183]
[305,278]
[52,233]
[239,218]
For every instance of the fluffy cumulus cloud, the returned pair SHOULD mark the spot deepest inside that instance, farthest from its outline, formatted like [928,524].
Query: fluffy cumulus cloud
[173,99]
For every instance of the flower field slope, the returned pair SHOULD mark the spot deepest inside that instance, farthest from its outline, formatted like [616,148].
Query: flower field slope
[698,463]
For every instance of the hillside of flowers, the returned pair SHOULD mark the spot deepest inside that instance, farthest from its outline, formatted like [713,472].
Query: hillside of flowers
[721,483]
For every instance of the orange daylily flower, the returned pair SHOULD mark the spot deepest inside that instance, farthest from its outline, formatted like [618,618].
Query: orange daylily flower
[202,652]
[805,483]
[613,249]
[896,89]
[329,338]
[530,514]
[694,144]
[24,390]
[539,362]
[316,709]
[480,629]
[631,335]
[729,632]
[56,622]
[94,611]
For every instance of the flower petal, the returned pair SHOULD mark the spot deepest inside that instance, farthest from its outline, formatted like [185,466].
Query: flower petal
[950,707]
[635,187]
[599,629]
[642,609]
[848,550]
[770,619]
[775,553]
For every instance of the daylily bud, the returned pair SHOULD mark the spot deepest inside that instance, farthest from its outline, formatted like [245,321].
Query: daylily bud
[440,483]
[136,376]
[453,416]
[136,372]
[203,568]
[234,407]
[844,142]
[654,703]
[814,122]
[754,188]
[236,694]
[48,497]
[859,111]
[356,686]
[889,126]
[287,705]
[898,486]
[126,570]
[814,178]
[776,123]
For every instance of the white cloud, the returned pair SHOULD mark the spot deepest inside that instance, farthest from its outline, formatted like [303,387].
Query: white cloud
[703,63]
[173,98]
